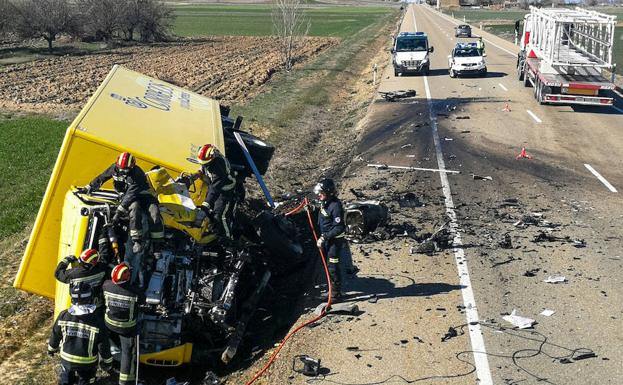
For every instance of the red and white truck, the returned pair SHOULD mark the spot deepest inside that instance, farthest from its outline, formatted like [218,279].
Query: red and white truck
[565,54]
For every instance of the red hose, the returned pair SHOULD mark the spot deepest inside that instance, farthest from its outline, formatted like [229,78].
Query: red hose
[297,208]
[273,356]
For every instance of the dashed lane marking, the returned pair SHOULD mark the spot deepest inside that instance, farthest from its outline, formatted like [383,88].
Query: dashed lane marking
[601,178]
[502,86]
[479,351]
[536,118]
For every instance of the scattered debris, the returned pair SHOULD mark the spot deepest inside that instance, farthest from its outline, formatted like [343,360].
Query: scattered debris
[409,200]
[306,365]
[452,332]
[509,260]
[392,96]
[556,279]
[344,308]
[519,321]
[548,312]
[406,145]
[480,177]
[447,139]
[465,131]
[543,236]
[462,117]
[506,242]
[510,202]
[440,239]
[211,379]
[531,273]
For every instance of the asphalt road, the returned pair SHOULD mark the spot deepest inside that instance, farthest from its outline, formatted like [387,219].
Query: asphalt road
[460,124]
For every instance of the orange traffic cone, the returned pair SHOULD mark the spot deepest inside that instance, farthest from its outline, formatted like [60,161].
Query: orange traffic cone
[506,108]
[523,154]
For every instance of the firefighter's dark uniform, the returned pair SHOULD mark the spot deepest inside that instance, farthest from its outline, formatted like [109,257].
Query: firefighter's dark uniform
[136,197]
[93,275]
[331,223]
[121,318]
[221,196]
[80,338]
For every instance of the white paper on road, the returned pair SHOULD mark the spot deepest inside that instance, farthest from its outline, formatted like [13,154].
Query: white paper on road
[556,279]
[548,312]
[519,321]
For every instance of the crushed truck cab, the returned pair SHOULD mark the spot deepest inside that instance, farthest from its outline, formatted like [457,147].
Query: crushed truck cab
[198,292]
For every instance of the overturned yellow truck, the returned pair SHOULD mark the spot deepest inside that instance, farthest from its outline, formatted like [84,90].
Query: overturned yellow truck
[200,295]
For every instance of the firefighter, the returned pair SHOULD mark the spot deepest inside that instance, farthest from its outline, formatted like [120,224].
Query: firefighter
[89,270]
[480,45]
[122,312]
[130,181]
[332,228]
[220,202]
[81,337]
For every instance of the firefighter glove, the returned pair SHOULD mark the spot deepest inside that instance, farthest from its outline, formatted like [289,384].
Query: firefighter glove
[320,242]
[70,259]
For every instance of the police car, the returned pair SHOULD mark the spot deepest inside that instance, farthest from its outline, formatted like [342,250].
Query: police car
[467,59]
[410,53]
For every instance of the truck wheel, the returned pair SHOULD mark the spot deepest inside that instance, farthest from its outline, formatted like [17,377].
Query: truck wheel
[426,70]
[526,80]
[396,73]
[484,73]
[452,74]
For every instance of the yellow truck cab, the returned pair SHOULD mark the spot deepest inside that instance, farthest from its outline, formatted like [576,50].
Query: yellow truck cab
[196,289]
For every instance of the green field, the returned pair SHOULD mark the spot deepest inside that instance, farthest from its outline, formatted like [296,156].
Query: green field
[28,148]
[501,23]
[256,20]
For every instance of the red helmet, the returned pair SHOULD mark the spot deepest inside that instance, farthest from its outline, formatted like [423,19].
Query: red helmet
[206,153]
[121,273]
[89,257]
[125,161]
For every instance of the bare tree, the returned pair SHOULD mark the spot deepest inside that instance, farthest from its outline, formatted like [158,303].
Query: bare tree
[46,19]
[290,25]
[101,19]
[7,16]
[156,19]
[131,18]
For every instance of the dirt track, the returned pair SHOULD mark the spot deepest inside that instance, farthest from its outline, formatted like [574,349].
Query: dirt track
[230,69]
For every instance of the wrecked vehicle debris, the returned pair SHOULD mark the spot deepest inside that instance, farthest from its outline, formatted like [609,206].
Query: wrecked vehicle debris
[365,217]
[392,96]
[439,240]
[543,236]
[201,290]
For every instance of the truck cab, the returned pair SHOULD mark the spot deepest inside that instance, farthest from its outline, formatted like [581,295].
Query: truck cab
[467,59]
[410,53]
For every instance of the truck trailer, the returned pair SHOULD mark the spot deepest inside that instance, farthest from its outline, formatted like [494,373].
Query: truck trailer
[566,56]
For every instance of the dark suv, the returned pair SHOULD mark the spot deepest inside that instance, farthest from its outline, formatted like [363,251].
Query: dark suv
[463,30]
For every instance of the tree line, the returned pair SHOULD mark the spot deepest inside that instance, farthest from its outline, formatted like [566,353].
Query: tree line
[87,20]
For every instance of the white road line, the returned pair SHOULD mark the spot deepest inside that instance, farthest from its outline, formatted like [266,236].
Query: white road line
[601,178]
[502,86]
[536,118]
[481,360]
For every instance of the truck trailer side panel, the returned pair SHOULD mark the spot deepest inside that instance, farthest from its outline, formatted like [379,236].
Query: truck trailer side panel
[160,124]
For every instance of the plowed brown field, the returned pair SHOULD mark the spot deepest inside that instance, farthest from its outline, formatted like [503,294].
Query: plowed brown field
[230,69]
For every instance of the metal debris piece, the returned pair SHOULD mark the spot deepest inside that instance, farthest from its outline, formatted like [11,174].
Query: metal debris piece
[480,177]
[519,321]
[392,96]
[556,279]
